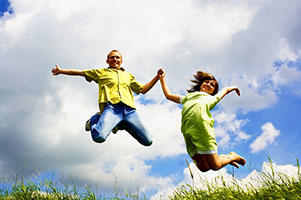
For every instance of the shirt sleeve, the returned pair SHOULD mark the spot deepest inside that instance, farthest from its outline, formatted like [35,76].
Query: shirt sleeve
[91,75]
[213,101]
[181,99]
[135,85]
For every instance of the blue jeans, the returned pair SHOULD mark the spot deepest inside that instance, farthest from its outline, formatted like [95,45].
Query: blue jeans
[123,116]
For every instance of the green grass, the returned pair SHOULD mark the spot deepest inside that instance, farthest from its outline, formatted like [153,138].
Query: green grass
[272,185]
[44,189]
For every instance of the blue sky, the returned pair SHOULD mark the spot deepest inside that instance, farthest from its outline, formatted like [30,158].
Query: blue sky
[252,44]
[4,7]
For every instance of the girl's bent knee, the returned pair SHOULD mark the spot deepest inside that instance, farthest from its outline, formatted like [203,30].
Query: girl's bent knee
[215,167]
[203,169]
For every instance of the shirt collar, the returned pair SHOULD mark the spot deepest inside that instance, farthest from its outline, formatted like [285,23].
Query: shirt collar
[121,68]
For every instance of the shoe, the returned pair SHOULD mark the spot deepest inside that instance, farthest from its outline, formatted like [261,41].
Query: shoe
[88,125]
[93,120]
[115,129]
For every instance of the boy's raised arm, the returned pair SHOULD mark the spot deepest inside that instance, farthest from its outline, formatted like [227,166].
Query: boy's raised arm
[227,90]
[172,97]
[150,84]
[73,72]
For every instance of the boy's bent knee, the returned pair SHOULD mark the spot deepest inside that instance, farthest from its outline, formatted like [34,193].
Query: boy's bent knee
[148,143]
[98,139]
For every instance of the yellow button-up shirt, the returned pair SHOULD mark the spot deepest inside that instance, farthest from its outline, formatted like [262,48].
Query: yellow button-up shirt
[115,85]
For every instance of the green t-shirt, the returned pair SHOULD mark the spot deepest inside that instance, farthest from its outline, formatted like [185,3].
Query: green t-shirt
[114,85]
[197,122]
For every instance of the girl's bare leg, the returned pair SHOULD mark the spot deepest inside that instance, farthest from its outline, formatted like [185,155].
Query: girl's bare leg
[201,162]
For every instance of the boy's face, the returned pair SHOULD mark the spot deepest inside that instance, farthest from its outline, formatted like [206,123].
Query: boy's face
[208,86]
[114,60]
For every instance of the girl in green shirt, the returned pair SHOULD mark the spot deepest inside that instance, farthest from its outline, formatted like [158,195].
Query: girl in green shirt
[197,122]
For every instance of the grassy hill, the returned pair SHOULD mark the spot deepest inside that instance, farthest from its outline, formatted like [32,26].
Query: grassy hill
[272,185]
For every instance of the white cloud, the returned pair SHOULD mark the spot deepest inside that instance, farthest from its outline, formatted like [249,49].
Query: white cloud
[128,171]
[285,52]
[267,137]
[285,75]
[164,122]
[228,129]
[278,172]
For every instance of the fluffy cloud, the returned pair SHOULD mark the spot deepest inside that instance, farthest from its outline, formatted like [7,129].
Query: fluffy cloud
[229,126]
[268,136]
[285,75]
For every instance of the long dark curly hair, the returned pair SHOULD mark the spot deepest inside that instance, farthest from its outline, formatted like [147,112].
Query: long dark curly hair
[198,80]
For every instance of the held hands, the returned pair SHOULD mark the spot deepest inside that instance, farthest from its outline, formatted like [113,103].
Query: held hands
[160,73]
[56,70]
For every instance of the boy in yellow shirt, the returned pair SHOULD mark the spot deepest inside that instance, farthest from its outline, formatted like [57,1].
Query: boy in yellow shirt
[115,98]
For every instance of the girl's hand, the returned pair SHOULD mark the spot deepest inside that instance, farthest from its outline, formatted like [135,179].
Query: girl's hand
[56,70]
[237,90]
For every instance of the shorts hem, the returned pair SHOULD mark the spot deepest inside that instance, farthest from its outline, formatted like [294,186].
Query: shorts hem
[208,152]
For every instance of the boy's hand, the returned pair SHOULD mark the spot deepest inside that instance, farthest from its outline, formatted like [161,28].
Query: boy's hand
[56,70]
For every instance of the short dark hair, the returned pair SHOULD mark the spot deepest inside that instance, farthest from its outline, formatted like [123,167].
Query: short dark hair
[198,80]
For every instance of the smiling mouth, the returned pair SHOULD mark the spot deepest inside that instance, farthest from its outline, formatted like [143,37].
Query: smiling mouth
[207,87]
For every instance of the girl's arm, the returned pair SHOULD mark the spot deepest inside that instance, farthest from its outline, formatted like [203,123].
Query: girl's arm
[172,97]
[227,90]
[73,72]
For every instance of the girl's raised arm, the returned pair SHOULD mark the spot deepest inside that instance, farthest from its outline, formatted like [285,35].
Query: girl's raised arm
[227,90]
[172,97]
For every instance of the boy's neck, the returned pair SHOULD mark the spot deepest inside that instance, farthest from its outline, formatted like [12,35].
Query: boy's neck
[120,68]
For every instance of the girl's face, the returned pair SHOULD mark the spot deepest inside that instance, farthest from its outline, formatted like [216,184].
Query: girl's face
[208,86]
